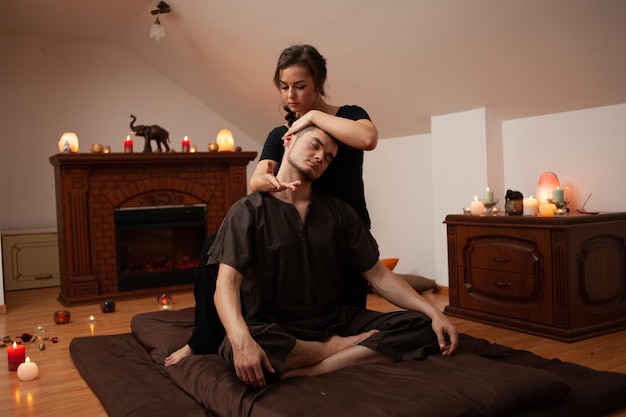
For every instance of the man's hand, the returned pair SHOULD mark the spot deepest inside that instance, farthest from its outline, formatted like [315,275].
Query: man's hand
[271,183]
[250,360]
[447,334]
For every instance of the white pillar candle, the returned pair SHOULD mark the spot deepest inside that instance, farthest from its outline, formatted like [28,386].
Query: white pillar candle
[488,196]
[27,371]
[530,206]
[477,207]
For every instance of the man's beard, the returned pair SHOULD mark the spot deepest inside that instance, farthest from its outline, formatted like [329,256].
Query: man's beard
[305,174]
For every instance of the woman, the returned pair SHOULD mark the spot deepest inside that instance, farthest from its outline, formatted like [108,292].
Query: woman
[300,77]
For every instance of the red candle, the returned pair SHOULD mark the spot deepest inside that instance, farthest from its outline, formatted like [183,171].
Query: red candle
[128,145]
[16,355]
[185,144]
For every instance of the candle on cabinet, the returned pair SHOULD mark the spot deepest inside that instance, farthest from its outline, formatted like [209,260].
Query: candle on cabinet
[185,143]
[488,196]
[27,371]
[16,355]
[477,207]
[547,209]
[558,195]
[128,145]
[531,206]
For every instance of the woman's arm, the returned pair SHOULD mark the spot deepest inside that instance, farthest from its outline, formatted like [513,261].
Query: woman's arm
[264,178]
[359,134]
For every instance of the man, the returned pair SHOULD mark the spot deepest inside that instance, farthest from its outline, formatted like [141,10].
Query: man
[279,291]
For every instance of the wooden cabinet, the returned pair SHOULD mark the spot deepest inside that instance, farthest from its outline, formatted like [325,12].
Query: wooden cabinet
[30,259]
[558,277]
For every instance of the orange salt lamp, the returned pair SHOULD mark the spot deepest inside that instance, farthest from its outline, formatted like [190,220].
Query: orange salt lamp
[548,181]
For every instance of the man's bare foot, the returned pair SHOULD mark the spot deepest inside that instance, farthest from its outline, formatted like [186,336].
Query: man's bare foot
[307,354]
[178,355]
[338,343]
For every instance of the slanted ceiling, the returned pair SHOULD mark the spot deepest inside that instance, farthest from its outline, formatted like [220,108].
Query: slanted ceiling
[403,60]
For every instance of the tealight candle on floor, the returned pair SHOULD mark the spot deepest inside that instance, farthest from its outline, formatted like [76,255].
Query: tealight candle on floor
[27,371]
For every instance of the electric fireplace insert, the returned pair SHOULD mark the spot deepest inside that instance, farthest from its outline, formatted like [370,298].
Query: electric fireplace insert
[158,245]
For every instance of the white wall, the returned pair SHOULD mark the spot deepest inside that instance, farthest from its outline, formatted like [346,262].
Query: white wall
[52,86]
[585,148]
[398,188]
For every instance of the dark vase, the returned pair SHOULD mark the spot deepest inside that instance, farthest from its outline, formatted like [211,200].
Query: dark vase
[107,306]
[514,205]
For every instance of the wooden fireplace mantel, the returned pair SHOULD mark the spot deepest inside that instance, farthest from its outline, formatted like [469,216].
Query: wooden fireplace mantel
[89,187]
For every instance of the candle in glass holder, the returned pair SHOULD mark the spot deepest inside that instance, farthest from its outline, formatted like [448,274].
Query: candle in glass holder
[558,195]
[185,143]
[16,355]
[164,301]
[128,145]
[488,196]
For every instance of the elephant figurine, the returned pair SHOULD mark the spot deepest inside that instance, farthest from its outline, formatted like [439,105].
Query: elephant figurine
[150,133]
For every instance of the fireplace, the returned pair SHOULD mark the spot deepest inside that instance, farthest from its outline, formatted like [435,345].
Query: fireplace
[134,201]
[158,246]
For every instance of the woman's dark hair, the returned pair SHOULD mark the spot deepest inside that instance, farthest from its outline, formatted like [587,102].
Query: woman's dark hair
[305,56]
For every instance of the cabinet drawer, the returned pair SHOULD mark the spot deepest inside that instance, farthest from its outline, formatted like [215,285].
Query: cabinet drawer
[521,296]
[523,251]
[503,253]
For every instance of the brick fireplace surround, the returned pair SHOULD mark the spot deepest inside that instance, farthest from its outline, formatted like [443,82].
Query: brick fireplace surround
[89,187]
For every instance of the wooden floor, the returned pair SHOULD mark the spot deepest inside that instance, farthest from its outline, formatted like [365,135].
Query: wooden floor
[60,391]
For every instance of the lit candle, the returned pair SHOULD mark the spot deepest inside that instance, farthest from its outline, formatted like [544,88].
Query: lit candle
[547,209]
[488,196]
[558,195]
[193,149]
[477,207]
[185,144]
[91,319]
[165,301]
[128,145]
[27,371]
[16,355]
[530,206]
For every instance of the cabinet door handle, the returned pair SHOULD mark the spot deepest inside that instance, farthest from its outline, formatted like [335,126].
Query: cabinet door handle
[503,284]
[502,260]
[42,277]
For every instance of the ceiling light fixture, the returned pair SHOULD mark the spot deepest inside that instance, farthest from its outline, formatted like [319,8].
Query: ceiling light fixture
[157,31]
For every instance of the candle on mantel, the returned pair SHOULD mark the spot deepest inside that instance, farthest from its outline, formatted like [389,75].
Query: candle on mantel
[488,196]
[547,209]
[530,206]
[16,355]
[558,195]
[27,371]
[185,143]
[128,145]
[477,207]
